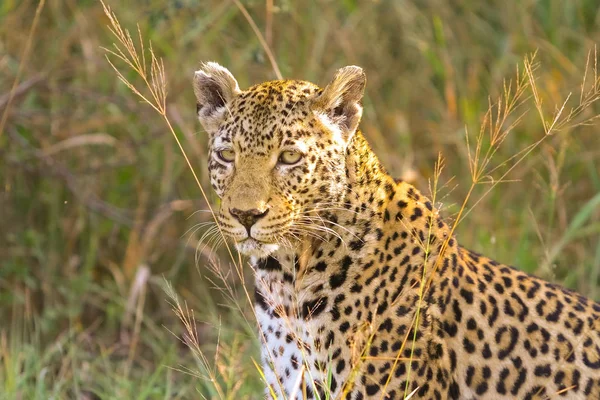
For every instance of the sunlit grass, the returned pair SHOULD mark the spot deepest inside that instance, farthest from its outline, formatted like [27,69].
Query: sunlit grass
[96,189]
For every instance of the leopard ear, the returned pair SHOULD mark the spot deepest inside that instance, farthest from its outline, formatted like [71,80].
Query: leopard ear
[214,87]
[340,101]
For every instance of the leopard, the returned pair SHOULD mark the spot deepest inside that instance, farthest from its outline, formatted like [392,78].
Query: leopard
[361,288]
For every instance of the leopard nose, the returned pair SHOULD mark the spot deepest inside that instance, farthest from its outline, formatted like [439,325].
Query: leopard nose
[248,217]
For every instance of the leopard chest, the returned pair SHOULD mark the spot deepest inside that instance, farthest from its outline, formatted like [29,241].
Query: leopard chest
[292,336]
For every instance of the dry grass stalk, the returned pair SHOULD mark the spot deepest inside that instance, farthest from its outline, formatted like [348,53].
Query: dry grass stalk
[154,93]
[264,43]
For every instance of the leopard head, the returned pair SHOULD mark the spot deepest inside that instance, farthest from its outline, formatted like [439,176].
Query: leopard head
[277,153]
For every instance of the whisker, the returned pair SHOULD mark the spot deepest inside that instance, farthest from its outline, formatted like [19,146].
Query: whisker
[199,211]
[307,233]
[202,245]
[323,229]
[198,226]
[338,225]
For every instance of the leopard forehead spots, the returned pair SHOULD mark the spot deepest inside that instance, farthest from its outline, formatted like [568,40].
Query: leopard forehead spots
[267,115]
[341,251]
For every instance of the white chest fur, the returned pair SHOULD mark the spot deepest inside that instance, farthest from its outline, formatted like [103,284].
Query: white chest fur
[288,350]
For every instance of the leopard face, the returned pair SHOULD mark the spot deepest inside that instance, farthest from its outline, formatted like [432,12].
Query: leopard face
[276,153]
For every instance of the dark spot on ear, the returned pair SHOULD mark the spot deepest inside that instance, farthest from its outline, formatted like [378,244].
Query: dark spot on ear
[214,96]
[338,111]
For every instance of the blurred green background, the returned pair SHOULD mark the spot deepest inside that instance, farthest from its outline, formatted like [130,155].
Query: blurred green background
[97,205]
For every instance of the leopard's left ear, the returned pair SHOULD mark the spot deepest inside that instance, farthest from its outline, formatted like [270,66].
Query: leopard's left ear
[340,101]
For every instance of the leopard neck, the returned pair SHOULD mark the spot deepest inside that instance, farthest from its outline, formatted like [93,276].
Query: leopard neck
[362,214]
[363,168]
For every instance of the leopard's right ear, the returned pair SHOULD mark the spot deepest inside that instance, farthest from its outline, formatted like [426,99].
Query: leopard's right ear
[214,87]
[340,101]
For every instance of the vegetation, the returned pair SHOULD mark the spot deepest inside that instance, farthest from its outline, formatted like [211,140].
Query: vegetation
[99,221]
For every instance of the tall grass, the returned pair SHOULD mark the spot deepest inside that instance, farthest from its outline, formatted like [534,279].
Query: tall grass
[96,192]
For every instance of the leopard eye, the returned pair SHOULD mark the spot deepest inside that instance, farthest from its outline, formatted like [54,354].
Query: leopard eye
[290,157]
[226,155]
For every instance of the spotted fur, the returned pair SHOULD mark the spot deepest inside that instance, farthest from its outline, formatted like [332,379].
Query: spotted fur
[356,294]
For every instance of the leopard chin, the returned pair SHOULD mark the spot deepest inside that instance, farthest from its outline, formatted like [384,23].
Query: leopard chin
[253,248]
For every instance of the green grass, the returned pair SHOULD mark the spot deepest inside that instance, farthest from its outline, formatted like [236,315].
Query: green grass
[96,199]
